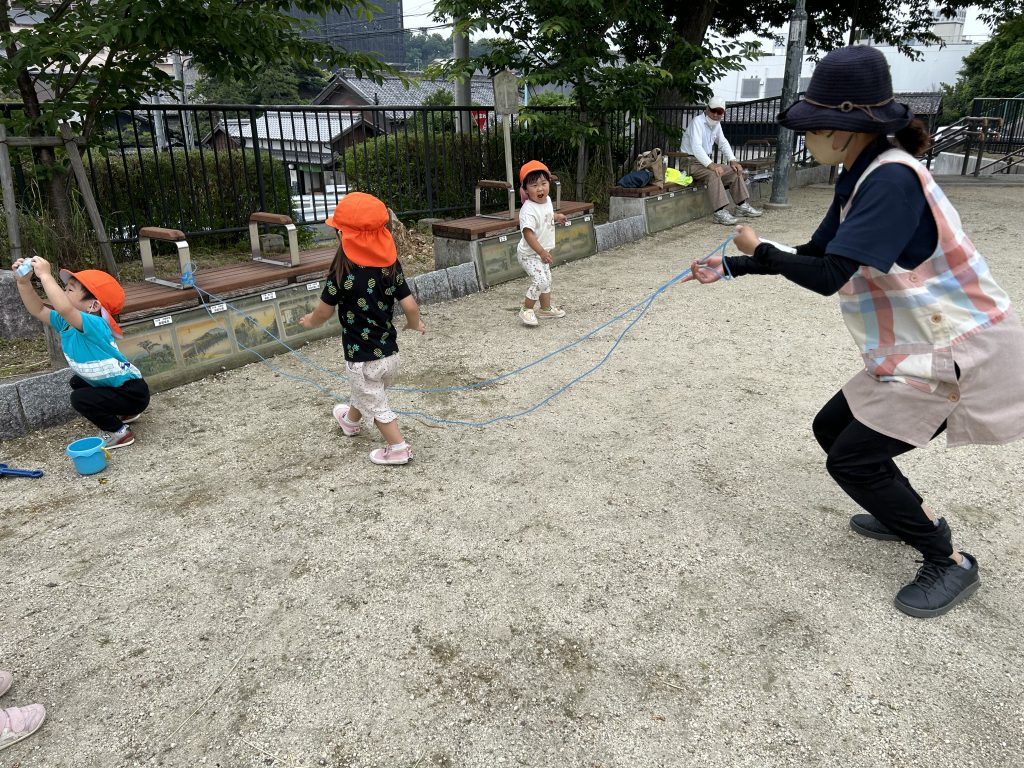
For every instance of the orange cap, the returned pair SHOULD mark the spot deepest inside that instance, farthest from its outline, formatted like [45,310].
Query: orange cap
[107,291]
[530,167]
[362,220]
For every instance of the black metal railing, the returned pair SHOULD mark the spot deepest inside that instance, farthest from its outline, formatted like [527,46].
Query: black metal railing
[204,169]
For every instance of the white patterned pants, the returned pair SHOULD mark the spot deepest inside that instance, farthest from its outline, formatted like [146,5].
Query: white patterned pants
[368,381]
[539,273]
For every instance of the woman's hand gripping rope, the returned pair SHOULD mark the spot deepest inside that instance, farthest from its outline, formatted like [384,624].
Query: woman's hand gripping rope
[714,267]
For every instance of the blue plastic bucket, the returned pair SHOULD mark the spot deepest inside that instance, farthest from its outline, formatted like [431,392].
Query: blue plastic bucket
[88,455]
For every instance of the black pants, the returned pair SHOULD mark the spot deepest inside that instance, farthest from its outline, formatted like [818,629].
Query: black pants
[860,460]
[104,406]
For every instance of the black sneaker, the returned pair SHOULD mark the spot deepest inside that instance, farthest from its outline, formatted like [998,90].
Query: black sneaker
[938,588]
[873,528]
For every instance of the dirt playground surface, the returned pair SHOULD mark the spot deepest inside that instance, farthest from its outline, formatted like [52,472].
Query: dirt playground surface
[651,570]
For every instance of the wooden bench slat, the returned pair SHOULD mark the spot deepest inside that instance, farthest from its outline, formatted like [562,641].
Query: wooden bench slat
[146,297]
[476,227]
[162,233]
[265,217]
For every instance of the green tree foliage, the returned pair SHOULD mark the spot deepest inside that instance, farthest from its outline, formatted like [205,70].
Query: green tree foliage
[993,69]
[287,83]
[608,52]
[421,48]
[92,56]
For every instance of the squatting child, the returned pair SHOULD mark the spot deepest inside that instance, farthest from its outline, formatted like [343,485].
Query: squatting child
[364,282]
[537,222]
[107,388]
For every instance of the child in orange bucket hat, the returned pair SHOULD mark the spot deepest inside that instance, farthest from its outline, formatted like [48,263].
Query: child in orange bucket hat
[537,220]
[106,385]
[364,282]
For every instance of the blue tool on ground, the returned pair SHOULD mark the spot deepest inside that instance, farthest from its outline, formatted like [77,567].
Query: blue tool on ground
[6,470]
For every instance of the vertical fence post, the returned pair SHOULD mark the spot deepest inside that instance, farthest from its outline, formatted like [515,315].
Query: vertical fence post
[256,159]
[10,203]
[428,173]
[87,197]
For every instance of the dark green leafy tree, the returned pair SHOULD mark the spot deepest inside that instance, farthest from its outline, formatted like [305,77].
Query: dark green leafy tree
[422,48]
[993,69]
[606,52]
[286,83]
[91,56]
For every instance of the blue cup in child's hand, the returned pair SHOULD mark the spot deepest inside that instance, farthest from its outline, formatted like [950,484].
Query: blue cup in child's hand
[25,268]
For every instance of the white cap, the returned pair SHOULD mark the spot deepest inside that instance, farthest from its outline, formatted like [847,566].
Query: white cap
[716,103]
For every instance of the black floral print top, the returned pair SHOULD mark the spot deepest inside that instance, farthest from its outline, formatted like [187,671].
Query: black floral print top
[366,303]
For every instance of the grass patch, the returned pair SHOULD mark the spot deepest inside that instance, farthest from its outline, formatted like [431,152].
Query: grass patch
[19,357]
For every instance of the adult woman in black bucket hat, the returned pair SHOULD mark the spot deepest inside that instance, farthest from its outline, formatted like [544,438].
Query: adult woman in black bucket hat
[942,346]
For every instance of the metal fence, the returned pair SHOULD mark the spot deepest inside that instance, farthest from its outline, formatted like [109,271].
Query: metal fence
[1010,138]
[204,168]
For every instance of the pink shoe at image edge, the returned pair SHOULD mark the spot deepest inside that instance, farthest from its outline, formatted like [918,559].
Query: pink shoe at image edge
[6,678]
[340,415]
[18,722]
[388,455]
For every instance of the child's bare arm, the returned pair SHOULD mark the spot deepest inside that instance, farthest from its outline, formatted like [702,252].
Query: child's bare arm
[531,240]
[55,294]
[29,297]
[413,321]
[317,317]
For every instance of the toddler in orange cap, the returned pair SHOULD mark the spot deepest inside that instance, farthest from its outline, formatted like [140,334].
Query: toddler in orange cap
[106,389]
[364,282]
[537,221]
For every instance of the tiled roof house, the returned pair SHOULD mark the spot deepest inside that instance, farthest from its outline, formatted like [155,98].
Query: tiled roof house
[308,142]
[347,90]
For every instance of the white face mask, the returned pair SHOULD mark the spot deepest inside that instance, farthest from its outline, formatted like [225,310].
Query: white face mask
[820,145]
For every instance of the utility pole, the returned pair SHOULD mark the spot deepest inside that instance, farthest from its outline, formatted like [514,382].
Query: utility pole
[790,88]
[463,98]
[179,75]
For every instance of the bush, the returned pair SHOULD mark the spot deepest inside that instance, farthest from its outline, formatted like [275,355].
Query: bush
[211,191]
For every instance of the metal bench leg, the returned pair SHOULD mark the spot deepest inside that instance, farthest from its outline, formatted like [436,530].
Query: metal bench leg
[254,241]
[186,278]
[293,243]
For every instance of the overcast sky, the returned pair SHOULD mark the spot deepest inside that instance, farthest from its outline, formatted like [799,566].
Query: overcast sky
[418,13]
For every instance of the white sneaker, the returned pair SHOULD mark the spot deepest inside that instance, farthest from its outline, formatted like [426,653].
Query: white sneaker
[746,209]
[528,316]
[17,723]
[551,312]
[724,217]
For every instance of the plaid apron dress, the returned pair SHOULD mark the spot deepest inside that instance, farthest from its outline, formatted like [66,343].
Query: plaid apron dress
[916,327]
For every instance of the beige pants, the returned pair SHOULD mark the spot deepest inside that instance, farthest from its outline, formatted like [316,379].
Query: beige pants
[716,185]
[368,381]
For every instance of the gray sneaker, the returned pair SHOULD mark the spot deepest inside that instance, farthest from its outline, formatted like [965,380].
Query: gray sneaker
[746,209]
[723,217]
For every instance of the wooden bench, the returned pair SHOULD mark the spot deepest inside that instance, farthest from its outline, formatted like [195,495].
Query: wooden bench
[490,184]
[478,227]
[759,155]
[176,236]
[278,220]
[149,297]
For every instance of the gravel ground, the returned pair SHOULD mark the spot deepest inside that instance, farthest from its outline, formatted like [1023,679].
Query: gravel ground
[651,570]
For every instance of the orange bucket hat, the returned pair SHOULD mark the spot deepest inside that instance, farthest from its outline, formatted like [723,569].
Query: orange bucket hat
[362,220]
[107,291]
[530,167]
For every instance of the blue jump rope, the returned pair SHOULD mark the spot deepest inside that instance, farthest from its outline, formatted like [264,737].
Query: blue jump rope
[643,305]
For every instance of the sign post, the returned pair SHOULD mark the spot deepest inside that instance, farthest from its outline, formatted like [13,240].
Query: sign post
[506,104]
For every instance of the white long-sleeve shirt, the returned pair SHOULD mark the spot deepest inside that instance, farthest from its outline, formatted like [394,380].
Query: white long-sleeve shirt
[700,138]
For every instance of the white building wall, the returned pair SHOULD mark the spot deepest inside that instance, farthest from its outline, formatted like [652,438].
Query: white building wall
[936,66]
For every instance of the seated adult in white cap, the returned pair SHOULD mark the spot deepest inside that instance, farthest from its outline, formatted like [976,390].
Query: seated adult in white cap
[702,134]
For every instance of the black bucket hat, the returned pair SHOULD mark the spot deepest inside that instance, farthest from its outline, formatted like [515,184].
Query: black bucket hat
[851,90]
